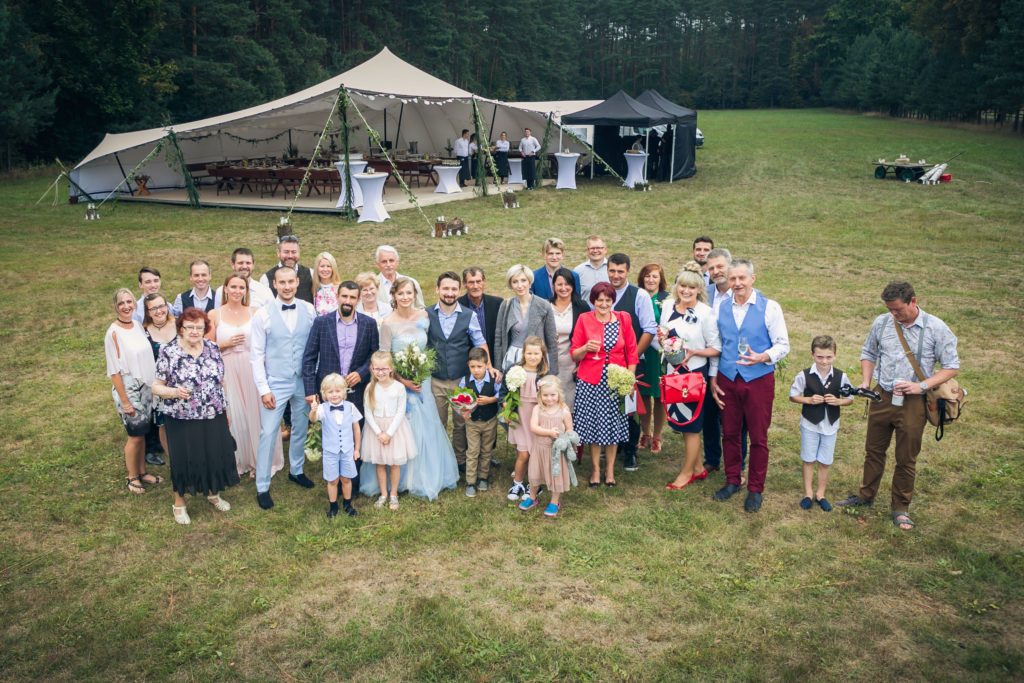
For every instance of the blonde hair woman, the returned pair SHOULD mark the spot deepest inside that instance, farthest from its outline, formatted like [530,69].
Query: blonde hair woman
[520,316]
[326,279]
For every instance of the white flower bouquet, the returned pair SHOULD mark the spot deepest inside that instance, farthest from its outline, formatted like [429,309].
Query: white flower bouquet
[415,364]
[514,380]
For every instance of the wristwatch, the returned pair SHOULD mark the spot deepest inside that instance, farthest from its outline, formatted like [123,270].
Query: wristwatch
[924,387]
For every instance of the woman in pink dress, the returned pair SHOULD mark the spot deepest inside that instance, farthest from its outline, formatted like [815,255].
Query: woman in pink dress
[230,328]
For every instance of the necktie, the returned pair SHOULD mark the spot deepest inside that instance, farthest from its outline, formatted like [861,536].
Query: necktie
[287,307]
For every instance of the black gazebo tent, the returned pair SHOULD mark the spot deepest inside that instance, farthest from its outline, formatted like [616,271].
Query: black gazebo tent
[681,157]
[618,110]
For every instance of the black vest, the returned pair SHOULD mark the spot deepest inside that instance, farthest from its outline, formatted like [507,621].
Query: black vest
[453,352]
[305,290]
[489,411]
[627,304]
[813,387]
[187,301]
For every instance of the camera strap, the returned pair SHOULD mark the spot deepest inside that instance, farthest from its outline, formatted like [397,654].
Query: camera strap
[920,346]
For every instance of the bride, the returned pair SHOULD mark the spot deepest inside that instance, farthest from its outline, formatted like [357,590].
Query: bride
[434,468]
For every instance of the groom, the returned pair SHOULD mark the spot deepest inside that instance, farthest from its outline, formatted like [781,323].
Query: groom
[341,343]
[279,332]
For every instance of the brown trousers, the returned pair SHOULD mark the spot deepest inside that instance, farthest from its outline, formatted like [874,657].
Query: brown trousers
[908,422]
[439,388]
[480,438]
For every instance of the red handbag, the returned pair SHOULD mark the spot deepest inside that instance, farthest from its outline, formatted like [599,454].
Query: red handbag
[687,387]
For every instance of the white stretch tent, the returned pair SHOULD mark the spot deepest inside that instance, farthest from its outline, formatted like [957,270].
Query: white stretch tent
[399,101]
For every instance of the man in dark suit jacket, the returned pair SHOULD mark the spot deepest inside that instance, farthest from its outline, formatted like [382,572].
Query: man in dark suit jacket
[484,306]
[341,342]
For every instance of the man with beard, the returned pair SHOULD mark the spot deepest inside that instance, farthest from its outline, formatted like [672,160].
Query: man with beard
[341,343]
[288,257]
[702,246]
[453,331]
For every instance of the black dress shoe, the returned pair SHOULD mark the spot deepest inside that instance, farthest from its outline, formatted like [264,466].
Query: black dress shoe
[264,499]
[154,459]
[726,492]
[301,479]
[753,502]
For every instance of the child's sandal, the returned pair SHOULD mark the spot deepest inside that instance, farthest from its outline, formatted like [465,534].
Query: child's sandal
[394,503]
[380,502]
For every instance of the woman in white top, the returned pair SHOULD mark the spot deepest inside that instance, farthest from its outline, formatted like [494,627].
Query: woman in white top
[131,369]
[501,162]
[686,314]
[368,302]
[326,279]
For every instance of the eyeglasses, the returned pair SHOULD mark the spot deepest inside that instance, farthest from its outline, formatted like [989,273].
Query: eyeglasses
[194,328]
[376,370]
[154,309]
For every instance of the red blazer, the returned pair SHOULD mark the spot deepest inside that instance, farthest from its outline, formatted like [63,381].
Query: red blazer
[622,353]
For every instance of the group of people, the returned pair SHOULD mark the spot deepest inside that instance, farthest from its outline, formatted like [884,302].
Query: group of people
[223,369]
[466,148]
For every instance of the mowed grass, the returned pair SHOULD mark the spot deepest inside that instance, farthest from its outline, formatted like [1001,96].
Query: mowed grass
[638,583]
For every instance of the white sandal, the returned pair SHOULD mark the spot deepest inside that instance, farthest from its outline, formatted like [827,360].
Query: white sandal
[394,503]
[180,514]
[380,502]
[219,503]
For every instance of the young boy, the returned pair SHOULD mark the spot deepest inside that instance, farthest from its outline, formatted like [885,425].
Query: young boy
[339,431]
[818,389]
[482,425]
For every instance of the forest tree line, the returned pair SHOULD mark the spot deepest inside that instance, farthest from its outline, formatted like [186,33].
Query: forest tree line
[72,70]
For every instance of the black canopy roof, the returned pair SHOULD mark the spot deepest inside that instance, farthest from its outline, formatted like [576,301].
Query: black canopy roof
[620,110]
[680,114]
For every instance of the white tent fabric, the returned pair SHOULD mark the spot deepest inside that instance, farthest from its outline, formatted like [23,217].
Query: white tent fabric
[387,90]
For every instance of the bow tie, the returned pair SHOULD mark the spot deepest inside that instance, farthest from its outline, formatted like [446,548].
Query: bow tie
[287,307]
[341,407]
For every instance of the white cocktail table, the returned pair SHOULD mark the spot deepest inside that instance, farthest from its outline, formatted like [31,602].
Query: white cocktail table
[634,168]
[447,179]
[357,194]
[372,185]
[515,172]
[566,171]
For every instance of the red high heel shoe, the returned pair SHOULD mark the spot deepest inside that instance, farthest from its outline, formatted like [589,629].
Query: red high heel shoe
[645,441]
[673,487]
[702,475]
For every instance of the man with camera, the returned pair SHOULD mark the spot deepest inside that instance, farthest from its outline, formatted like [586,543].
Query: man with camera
[904,330]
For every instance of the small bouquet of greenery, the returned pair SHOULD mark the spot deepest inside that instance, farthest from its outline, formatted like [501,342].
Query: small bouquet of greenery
[414,364]
[621,383]
[514,380]
[462,400]
[313,448]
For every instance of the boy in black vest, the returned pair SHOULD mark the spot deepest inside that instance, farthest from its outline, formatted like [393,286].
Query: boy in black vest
[482,425]
[818,389]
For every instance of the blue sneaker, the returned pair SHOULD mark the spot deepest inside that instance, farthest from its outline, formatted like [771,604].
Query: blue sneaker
[528,504]
[551,510]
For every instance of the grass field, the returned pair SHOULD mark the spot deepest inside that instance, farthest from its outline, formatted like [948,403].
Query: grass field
[633,584]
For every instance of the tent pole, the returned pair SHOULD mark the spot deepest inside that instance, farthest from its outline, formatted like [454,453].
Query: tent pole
[290,148]
[591,163]
[647,149]
[672,165]
[123,174]
[398,133]
[559,137]
[494,117]
[385,138]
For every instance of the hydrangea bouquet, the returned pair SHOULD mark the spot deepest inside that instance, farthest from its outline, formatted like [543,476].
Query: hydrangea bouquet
[514,380]
[621,383]
[415,364]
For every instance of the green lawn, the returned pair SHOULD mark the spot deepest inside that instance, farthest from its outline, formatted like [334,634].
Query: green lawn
[638,583]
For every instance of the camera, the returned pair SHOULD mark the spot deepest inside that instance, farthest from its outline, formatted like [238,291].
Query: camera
[846,391]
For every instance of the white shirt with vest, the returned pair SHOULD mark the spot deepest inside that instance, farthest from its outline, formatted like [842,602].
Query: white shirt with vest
[278,341]
[825,428]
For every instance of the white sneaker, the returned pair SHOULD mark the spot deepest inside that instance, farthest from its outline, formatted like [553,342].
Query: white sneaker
[516,491]
[219,503]
[180,514]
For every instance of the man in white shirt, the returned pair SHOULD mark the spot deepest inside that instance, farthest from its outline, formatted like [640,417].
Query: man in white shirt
[754,340]
[386,259]
[243,263]
[462,154]
[200,296]
[717,263]
[149,283]
[529,147]
[595,268]
[279,333]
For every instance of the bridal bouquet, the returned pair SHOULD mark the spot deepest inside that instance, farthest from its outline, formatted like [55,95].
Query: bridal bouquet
[514,380]
[621,383]
[415,364]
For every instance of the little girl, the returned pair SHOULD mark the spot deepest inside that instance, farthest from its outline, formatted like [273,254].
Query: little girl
[339,428]
[535,362]
[392,444]
[550,419]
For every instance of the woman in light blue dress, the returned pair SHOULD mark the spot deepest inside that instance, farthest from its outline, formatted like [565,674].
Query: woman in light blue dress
[434,467]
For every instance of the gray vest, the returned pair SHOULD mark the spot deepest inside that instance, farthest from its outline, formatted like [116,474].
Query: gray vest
[453,352]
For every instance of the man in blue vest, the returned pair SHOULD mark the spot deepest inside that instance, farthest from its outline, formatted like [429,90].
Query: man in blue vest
[637,302]
[279,332]
[754,339]
[453,331]
[200,296]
